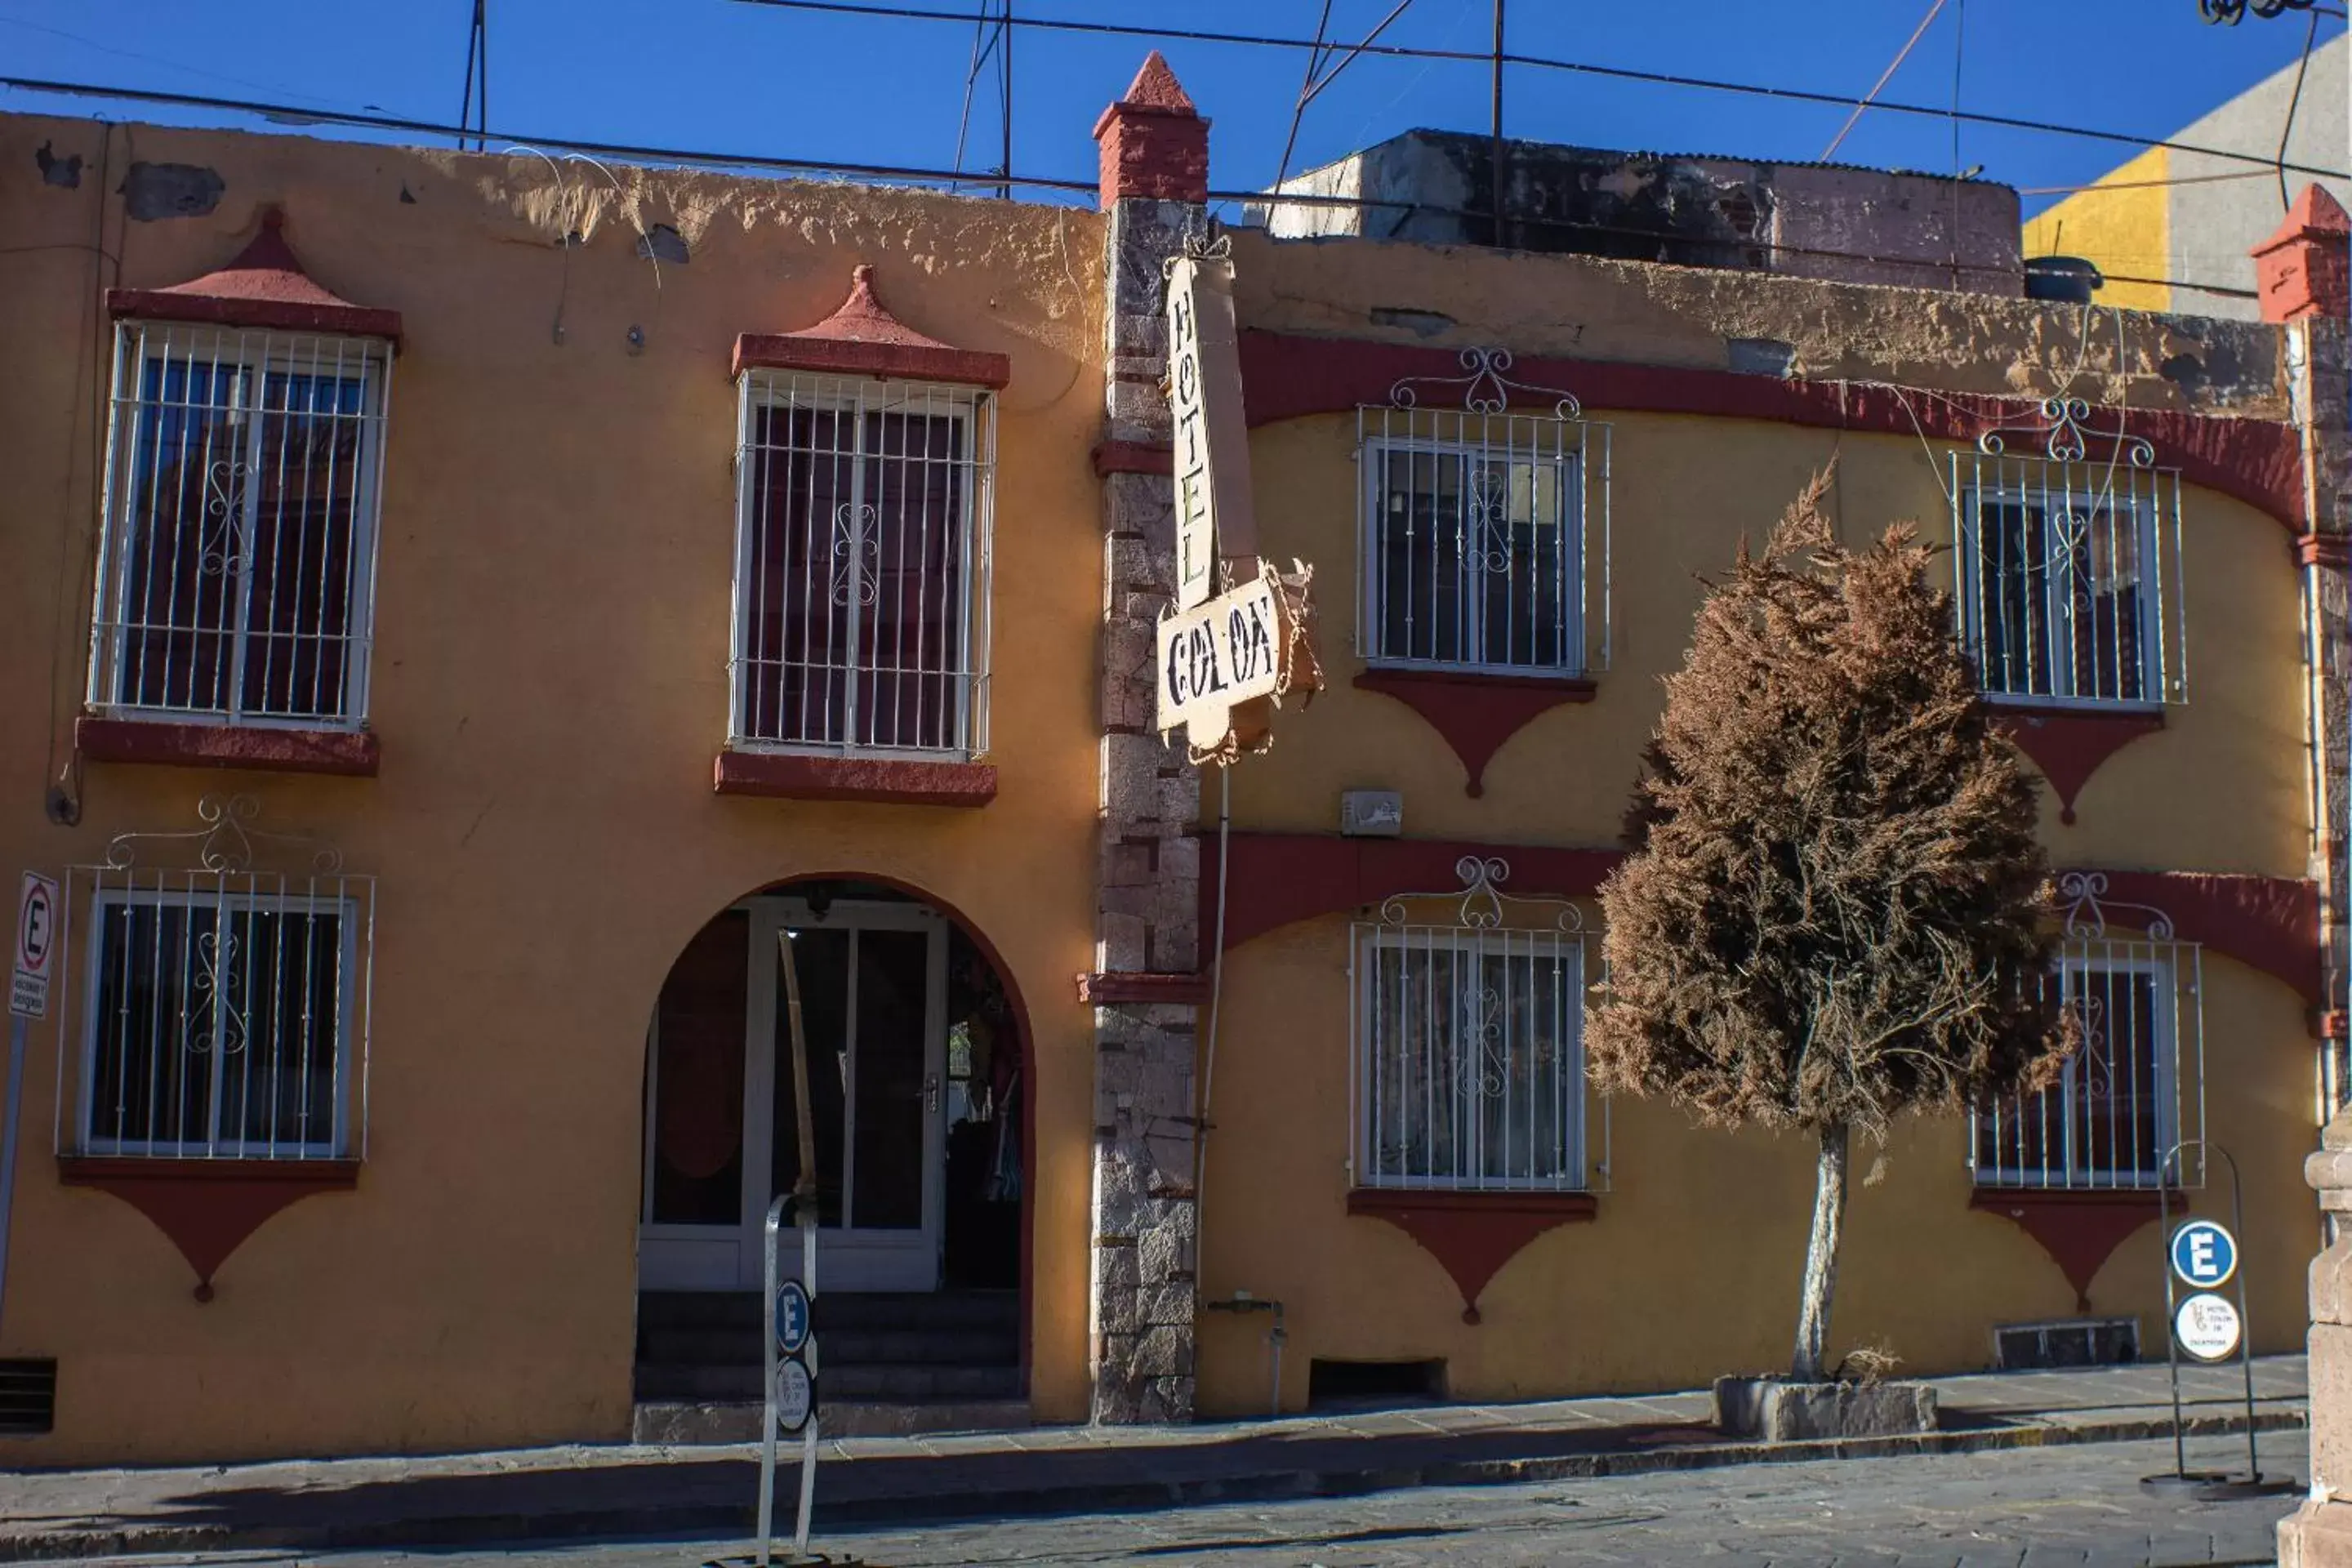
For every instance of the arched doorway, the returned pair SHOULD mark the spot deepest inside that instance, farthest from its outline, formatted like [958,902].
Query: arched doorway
[917,1056]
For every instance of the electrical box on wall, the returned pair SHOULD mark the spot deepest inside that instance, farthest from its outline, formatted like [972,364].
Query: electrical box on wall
[1371,813]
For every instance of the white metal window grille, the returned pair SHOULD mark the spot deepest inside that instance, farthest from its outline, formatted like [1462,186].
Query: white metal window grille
[2070,567]
[1468,1043]
[224,1010]
[237,563]
[1486,532]
[2136,1087]
[861,563]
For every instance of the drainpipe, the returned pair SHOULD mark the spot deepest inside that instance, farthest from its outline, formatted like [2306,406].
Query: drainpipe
[1241,1302]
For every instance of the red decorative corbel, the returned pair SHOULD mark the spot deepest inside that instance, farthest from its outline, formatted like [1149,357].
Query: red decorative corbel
[1472,1235]
[208,1207]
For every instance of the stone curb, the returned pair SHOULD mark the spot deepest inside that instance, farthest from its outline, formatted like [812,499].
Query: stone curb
[732,1521]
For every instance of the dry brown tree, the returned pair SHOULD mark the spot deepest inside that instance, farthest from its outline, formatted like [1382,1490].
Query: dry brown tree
[1833,908]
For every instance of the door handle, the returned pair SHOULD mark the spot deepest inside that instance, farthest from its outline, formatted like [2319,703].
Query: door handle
[931,1094]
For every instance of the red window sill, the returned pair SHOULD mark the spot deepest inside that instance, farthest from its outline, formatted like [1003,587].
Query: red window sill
[1386,1202]
[882,780]
[89,1170]
[353,753]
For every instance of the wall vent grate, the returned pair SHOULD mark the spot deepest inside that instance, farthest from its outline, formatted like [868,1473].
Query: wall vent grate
[2069,1341]
[28,1397]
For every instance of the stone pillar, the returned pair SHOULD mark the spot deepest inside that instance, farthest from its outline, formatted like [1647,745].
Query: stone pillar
[2319,1534]
[1147,989]
[2316,361]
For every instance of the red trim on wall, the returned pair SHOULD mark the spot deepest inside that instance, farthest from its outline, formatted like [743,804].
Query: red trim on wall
[1140,988]
[265,288]
[1133,457]
[2330,549]
[353,753]
[208,1207]
[2069,744]
[1475,713]
[882,780]
[1472,1235]
[1280,877]
[1286,376]
[862,338]
[2270,923]
[2079,1231]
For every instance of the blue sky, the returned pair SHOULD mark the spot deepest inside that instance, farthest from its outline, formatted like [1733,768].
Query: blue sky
[722,76]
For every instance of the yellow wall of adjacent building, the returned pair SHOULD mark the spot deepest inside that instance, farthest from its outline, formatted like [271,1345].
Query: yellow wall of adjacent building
[551,687]
[2123,224]
[1691,1266]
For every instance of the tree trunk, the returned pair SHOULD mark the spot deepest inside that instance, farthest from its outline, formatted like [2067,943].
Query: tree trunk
[1821,1255]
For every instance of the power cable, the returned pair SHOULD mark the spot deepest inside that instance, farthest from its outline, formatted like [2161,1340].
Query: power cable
[1917,33]
[684,157]
[2302,66]
[1542,62]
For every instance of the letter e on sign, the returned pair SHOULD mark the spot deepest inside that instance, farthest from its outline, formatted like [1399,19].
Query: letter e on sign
[38,938]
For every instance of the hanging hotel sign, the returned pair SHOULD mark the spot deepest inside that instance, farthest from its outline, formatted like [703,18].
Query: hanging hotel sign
[1225,659]
[1204,395]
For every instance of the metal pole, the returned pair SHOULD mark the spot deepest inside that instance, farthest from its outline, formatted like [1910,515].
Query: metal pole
[1495,149]
[1004,75]
[768,1394]
[2245,1324]
[2171,1340]
[808,1441]
[17,1025]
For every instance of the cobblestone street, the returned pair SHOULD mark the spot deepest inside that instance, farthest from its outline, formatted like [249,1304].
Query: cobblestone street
[2078,1505]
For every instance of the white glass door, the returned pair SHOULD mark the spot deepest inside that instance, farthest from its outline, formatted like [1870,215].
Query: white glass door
[872,982]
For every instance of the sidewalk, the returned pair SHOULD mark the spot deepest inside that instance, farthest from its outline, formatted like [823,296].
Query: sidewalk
[582,1492]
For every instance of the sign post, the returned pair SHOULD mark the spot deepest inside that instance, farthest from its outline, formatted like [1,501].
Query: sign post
[36,955]
[2210,1326]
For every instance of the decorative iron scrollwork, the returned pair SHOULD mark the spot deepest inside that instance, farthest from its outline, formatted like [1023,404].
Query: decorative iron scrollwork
[224,844]
[2083,893]
[2065,436]
[1487,387]
[1480,903]
[2230,13]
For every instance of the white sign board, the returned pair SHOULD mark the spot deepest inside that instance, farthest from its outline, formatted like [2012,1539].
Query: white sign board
[36,947]
[795,1394]
[1212,437]
[2206,1327]
[1218,655]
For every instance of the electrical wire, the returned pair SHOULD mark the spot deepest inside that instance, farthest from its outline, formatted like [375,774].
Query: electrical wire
[1917,33]
[715,160]
[2302,68]
[1543,62]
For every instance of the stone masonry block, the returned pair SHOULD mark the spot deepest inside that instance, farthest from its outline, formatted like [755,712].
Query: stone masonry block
[1162,1257]
[1119,1267]
[1164,1352]
[2331,1393]
[1168,1401]
[1119,1311]
[1165,1305]
[1122,944]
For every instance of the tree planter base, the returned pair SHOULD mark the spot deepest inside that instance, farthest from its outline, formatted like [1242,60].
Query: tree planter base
[1779,1411]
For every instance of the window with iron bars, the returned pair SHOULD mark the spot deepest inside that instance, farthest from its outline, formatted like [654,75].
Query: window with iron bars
[2069,580]
[2132,1091]
[223,1016]
[864,511]
[1477,552]
[238,565]
[1469,1057]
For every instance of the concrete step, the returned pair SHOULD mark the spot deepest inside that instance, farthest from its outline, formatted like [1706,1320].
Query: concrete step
[907,1383]
[690,1422]
[864,1309]
[842,1346]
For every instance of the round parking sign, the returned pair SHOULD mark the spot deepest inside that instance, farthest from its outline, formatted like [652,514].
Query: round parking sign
[791,1318]
[795,1394]
[2206,1327]
[2204,1254]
